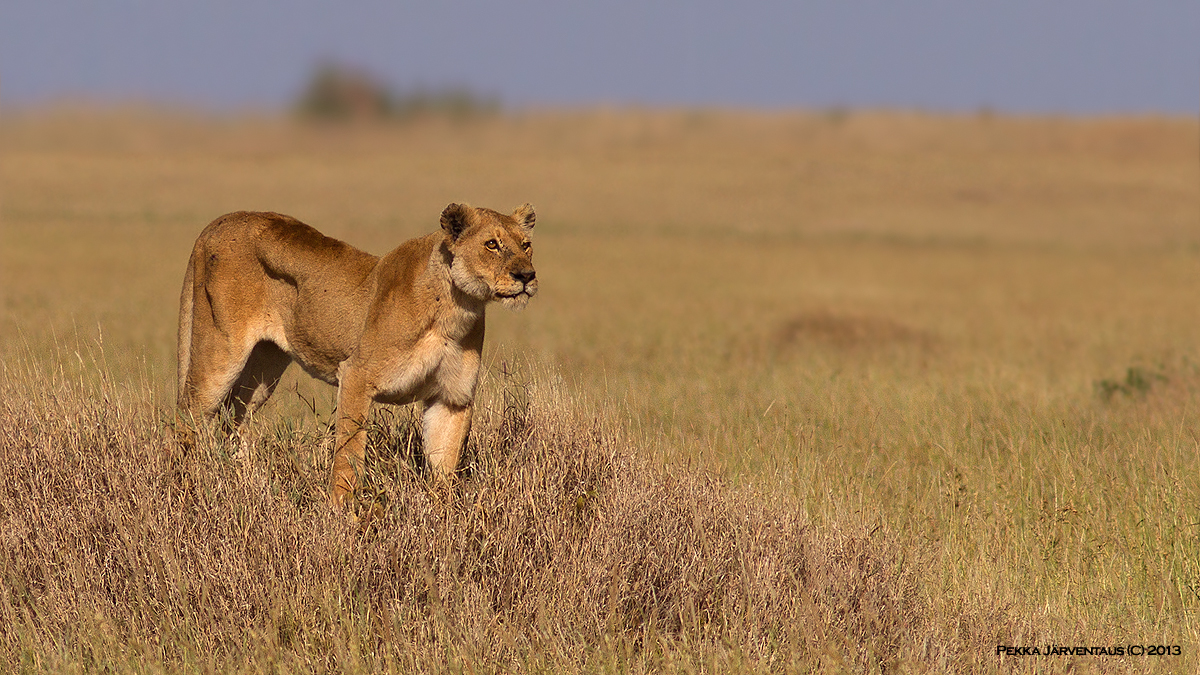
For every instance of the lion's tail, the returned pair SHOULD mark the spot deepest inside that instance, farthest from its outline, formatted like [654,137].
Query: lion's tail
[186,305]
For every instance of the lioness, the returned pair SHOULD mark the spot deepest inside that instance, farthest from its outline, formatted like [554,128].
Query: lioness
[263,289]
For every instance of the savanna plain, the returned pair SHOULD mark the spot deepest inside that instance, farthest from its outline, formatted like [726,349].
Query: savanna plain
[827,391]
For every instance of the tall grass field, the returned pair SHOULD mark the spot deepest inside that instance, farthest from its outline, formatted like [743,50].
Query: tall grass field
[802,392]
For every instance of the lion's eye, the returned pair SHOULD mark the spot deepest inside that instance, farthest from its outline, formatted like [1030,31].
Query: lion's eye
[492,245]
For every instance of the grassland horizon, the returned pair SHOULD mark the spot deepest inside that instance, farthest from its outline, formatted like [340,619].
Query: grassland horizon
[859,391]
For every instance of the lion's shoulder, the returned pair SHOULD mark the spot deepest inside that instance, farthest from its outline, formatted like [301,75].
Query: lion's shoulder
[402,270]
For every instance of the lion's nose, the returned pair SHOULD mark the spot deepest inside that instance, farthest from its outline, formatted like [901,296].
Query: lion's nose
[524,276]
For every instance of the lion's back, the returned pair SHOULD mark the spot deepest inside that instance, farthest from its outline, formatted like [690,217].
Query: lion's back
[246,242]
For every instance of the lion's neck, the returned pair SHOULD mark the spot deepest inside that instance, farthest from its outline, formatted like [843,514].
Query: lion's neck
[464,311]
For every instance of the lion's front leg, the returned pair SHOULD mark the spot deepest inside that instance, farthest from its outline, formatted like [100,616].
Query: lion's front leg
[444,429]
[353,407]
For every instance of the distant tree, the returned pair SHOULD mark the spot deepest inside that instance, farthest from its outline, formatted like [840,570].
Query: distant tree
[337,92]
[455,102]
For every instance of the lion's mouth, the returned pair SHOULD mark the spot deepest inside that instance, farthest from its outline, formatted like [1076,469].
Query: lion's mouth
[525,290]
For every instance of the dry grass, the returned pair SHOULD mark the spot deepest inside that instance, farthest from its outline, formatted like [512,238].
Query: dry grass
[811,392]
[563,553]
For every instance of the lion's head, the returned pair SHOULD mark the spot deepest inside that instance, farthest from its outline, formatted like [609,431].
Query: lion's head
[492,253]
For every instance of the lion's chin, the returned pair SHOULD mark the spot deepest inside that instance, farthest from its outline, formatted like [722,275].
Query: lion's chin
[514,303]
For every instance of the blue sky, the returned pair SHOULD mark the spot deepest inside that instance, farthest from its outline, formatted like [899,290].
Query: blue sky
[1025,56]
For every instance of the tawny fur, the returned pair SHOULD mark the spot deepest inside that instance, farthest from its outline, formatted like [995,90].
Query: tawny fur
[262,290]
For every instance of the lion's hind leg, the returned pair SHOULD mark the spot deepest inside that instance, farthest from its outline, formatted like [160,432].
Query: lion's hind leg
[210,379]
[257,381]
[231,383]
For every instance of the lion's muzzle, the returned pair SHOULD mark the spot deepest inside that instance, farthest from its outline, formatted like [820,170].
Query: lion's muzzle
[524,280]
[522,288]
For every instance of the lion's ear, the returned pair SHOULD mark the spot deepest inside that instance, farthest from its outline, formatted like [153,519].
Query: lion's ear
[454,220]
[524,216]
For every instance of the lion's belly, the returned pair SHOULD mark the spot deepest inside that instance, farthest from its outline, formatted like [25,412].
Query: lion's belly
[317,362]
[437,368]
[316,325]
